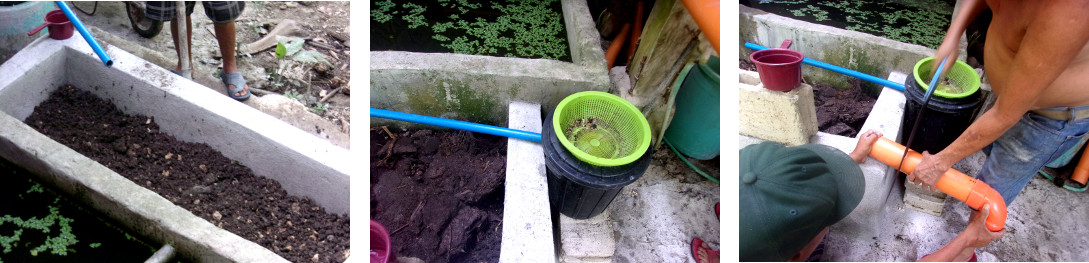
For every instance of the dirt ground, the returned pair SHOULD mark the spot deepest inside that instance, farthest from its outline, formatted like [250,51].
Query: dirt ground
[193,176]
[839,112]
[324,25]
[439,193]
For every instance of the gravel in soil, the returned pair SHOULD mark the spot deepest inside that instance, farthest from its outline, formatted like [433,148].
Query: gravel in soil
[439,193]
[194,176]
[839,112]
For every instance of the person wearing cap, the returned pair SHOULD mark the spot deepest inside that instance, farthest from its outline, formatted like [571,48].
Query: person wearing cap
[791,195]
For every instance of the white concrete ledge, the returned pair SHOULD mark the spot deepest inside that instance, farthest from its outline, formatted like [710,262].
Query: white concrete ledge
[527,222]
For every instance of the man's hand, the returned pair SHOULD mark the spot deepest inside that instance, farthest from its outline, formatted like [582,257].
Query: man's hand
[929,171]
[977,235]
[948,49]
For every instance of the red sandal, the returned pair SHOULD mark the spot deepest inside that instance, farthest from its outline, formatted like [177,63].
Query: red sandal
[697,244]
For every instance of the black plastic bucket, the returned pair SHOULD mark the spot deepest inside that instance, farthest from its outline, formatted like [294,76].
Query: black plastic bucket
[578,189]
[944,120]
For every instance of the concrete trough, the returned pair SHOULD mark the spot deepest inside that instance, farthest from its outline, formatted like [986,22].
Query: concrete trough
[479,88]
[302,163]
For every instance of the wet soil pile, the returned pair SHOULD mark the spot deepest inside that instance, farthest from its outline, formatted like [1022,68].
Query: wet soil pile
[439,193]
[839,112]
[41,225]
[842,112]
[194,176]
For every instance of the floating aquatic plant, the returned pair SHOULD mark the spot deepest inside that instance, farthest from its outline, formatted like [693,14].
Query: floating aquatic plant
[920,22]
[521,28]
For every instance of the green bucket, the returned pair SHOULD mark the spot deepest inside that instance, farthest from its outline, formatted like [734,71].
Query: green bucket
[694,130]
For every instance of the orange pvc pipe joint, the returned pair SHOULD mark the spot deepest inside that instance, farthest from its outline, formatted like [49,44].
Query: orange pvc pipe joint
[618,43]
[706,13]
[637,29]
[973,192]
[1081,172]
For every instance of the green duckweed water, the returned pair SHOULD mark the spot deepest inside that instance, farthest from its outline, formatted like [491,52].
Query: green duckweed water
[921,22]
[38,225]
[511,28]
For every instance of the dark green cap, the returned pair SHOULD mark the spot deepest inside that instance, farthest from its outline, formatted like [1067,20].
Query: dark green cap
[790,194]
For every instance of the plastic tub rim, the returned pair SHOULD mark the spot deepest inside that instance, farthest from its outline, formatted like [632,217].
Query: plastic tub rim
[958,65]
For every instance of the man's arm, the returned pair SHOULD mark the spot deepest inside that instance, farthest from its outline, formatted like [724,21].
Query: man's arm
[963,246]
[1050,43]
[967,13]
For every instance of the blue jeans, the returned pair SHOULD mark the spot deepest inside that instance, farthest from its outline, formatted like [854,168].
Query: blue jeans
[1014,158]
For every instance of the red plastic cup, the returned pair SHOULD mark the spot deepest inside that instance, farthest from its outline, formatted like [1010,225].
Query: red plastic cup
[780,68]
[60,28]
[381,248]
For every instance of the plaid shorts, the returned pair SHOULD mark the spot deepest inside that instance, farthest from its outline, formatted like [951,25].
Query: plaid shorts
[218,11]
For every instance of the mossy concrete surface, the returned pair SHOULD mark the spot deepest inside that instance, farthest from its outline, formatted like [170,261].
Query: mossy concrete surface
[479,88]
[869,54]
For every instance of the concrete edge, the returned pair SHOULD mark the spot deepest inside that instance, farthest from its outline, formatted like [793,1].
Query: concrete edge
[527,220]
[137,208]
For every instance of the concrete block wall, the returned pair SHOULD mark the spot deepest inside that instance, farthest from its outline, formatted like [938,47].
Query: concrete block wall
[527,221]
[786,117]
[478,88]
[849,49]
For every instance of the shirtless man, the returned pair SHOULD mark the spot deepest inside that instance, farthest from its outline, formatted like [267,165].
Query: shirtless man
[1037,61]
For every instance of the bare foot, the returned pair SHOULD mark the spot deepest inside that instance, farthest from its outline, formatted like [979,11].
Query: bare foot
[865,144]
[703,256]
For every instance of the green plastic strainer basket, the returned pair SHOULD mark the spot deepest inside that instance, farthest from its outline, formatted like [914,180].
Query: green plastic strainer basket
[601,129]
[962,79]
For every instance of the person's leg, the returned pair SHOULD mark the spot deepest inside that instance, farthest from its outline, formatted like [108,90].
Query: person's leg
[167,11]
[188,41]
[1025,148]
[225,34]
[223,15]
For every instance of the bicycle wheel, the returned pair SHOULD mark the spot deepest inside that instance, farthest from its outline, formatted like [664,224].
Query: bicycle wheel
[143,26]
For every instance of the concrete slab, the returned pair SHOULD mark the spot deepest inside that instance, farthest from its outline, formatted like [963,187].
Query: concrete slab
[527,221]
[656,217]
[478,88]
[587,240]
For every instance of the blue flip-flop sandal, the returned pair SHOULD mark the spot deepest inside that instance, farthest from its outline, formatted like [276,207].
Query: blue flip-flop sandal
[239,85]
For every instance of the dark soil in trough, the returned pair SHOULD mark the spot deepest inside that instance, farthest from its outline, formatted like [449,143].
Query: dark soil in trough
[194,176]
[439,193]
[93,238]
[839,112]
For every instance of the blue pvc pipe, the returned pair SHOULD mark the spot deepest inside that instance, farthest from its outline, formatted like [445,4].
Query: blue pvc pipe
[838,69]
[461,125]
[86,35]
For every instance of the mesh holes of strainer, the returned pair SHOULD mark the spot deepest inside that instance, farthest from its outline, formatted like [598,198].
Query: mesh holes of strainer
[600,129]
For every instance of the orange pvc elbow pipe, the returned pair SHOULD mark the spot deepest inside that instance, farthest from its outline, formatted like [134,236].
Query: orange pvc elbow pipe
[973,192]
[706,13]
[618,43]
[1081,172]
[637,29]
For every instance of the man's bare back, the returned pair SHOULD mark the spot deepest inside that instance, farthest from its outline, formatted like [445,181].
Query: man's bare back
[1005,36]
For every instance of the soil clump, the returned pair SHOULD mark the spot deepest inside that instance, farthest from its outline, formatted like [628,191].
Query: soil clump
[439,193]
